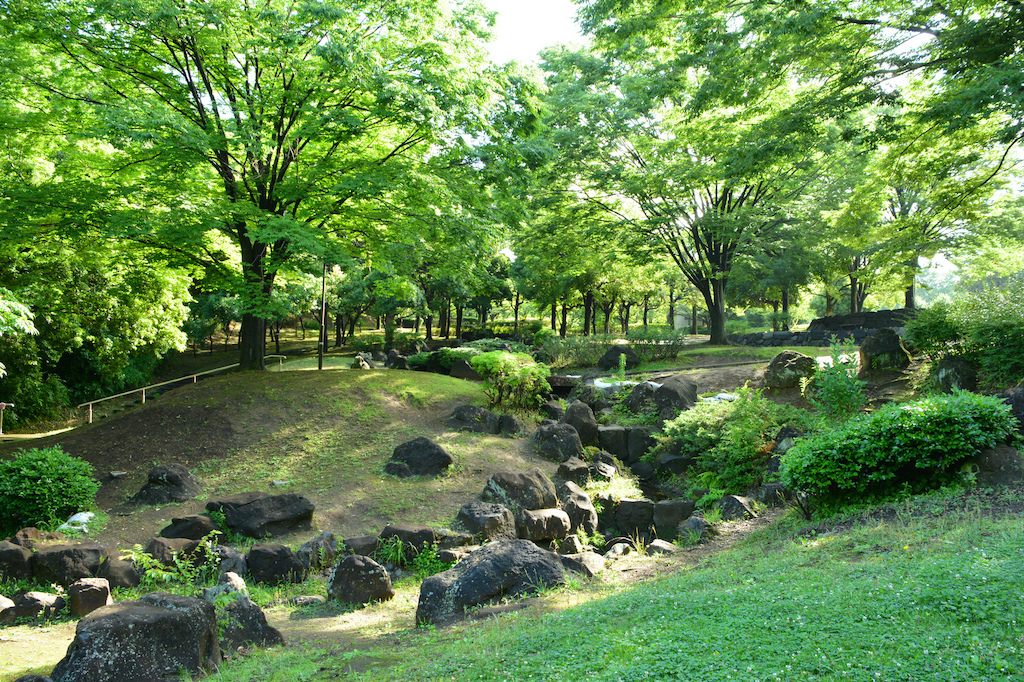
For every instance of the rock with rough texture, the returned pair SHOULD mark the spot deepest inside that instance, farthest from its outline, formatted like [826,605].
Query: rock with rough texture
[165,550]
[64,564]
[15,561]
[586,564]
[473,419]
[414,537]
[421,457]
[696,529]
[883,350]
[659,546]
[32,605]
[271,515]
[193,527]
[542,524]
[487,521]
[552,409]
[1001,465]
[574,469]
[363,544]
[319,553]
[576,503]
[230,560]
[771,494]
[148,640]
[6,610]
[531,490]
[668,514]
[953,373]
[359,579]
[610,360]
[641,440]
[168,483]
[581,417]
[504,569]
[510,425]
[33,678]
[640,399]
[736,507]
[614,440]
[787,369]
[274,564]
[119,573]
[222,504]
[634,517]
[461,369]
[242,622]
[1014,397]
[87,595]
[557,441]
[676,394]
[31,536]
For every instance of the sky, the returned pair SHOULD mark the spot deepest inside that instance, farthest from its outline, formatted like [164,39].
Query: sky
[524,27]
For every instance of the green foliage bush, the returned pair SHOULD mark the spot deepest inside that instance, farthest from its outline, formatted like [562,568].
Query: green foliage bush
[730,441]
[513,380]
[656,343]
[835,390]
[44,487]
[912,447]
[934,332]
[575,351]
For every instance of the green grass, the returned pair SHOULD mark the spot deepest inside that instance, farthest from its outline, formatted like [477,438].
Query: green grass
[928,593]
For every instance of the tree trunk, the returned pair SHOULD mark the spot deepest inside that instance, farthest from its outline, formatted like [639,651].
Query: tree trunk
[554,313]
[910,295]
[251,338]
[277,338]
[671,309]
[858,292]
[775,316]
[515,314]
[588,304]
[830,305]
[458,321]
[339,331]
[785,310]
[428,322]
[565,318]
[647,309]
[302,326]
[714,297]
[693,320]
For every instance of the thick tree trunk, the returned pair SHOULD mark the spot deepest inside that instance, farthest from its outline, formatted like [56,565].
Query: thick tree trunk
[858,293]
[671,319]
[515,314]
[647,309]
[910,295]
[339,331]
[693,320]
[714,297]
[554,313]
[429,322]
[251,338]
[458,321]
[830,305]
[302,326]
[565,318]
[775,316]
[588,304]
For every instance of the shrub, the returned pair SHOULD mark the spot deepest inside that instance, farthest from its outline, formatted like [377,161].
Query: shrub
[513,380]
[576,351]
[487,345]
[934,332]
[912,447]
[657,343]
[835,390]
[44,487]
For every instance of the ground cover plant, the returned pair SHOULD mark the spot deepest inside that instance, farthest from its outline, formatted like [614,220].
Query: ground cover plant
[43,487]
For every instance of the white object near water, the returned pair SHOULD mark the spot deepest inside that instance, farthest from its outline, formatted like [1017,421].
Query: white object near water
[77,523]
[721,397]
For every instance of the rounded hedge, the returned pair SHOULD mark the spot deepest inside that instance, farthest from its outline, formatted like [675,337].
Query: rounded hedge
[44,487]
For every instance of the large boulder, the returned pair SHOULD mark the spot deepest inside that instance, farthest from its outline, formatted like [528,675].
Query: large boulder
[668,515]
[641,440]
[634,517]
[32,605]
[736,507]
[542,524]
[473,419]
[787,369]
[274,564]
[319,553]
[487,521]
[953,373]
[419,457]
[557,441]
[30,537]
[154,638]
[64,564]
[359,580]
[576,503]
[610,360]
[531,490]
[222,504]
[87,595]
[676,394]
[414,537]
[119,573]
[166,550]
[640,399]
[614,440]
[14,561]
[193,527]
[581,417]
[270,515]
[504,569]
[884,350]
[1001,465]
[168,483]
[240,620]
[574,469]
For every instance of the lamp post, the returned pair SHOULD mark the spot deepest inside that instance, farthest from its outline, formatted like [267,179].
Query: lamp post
[3,406]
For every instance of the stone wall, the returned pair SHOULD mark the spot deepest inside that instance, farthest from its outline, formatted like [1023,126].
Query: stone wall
[856,326]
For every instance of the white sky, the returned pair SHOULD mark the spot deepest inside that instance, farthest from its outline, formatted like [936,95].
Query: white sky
[524,27]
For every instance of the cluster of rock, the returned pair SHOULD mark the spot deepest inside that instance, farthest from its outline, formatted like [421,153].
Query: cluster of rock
[856,326]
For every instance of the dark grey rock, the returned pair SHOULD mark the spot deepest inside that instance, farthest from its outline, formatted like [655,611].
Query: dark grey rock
[574,469]
[319,553]
[640,399]
[363,544]
[552,409]
[531,490]
[615,440]
[87,595]
[461,369]
[423,457]
[415,538]
[271,515]
[511,426]
[668,514]
[576,503]
[696,529]
[736,507]
[230,560]
[581,417]
[610,360]
[641,440]
[633,517]
[194,527]
[954,373]
[883,350]
[64,564]
[787,369]
[242,622]
[1000,465]
[165,550]
[542,524]
[359,580]
[274,564]
[32,605]
[222,504]
[168,483]
[557,441]
[487,521]
[473,419]
[643,470]
[119,573]
[15,561]
[676,394]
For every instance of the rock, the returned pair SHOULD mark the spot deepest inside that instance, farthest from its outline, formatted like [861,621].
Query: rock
[487,521]
[1000,465]
[610,360]
[32,605]
[415,538]
[119,573]
[574,469]
[363,544]
[634,517]
[15,561]
[194,527]
[511,426]
[787,369]
[570,544]
[596,398]
[359,362]
[423,457]
[165,550]
[359,580]
[602,471]
[668,514]
[450,539]
[552,409]
[952,373]
[271,515]
[319,553]
[473,419]
[785,439]
[659,546]
[581,417]
[32,536]
[87,595]
[735,507]
[274,564]
[668,463]
[883,350]
[640,399]
[461,369]
[33,678]
[230,560]
[557,441]
[618,549]
[676,394]
[542,524]
[241,622]
[64,564]
[587,564]
[1014,397]
[641,440]
[614,440]
[154,638]
[576,503]
[168,483]
[307,600]
[770,494]
[222,504]
[532,490]
[644,471]
[504,569]
[6,610]
[696,529]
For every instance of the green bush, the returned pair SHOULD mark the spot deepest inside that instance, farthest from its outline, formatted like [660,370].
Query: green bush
[656,343]
[935,332]
[513,380]
[730,441]
[487,345]
[44,487]
[835,390]
[576,351]
[912,447]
